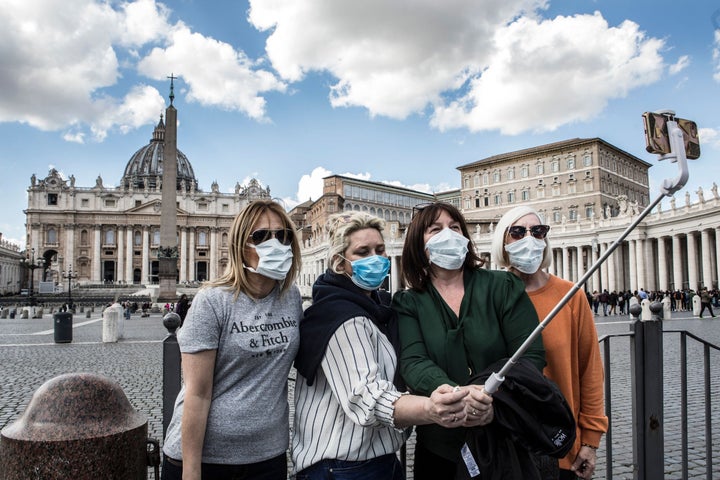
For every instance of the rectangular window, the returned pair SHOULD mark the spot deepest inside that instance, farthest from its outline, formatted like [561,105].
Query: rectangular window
[52,199]
[110,202]
[84,202]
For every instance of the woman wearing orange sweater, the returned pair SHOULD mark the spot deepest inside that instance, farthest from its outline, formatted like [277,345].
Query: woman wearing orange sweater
[570,339]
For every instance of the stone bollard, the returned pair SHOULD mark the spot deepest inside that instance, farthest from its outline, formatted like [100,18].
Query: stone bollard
[77,425]
[696,305]
[112,323]
[667,307]
[4,313]
[25,314]
[87,315]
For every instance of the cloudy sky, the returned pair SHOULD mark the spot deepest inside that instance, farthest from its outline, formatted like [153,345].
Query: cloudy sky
[289,91]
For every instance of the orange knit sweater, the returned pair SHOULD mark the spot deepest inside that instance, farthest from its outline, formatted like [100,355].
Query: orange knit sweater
[573,360]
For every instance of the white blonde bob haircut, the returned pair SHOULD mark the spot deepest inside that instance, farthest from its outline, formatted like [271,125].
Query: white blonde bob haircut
[497,249]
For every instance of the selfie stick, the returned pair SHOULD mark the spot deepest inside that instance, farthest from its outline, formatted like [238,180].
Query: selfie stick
[668,188]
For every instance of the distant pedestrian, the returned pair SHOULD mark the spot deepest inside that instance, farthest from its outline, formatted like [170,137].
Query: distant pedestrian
[705,302]
[182,307]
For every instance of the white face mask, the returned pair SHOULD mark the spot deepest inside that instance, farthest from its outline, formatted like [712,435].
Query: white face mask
[275,259]
[526,254]
[447,249]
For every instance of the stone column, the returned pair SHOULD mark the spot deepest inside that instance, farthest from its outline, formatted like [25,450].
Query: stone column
[213,253]
[95,274]
[662,266]
[580,265]
[612,271]
[191,256]
[677,256]
[182,253]
[130,248]
[394,274]
[120,254]
[692,259]
[145,267]
[716,264]
[70,248]
[641,258]
[632,250]
[706,258]
[595,279]
[604,284]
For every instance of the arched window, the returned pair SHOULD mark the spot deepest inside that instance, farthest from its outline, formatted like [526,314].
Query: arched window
[137,238]
[83,237]
[109,237]
[202,238]
[52,236]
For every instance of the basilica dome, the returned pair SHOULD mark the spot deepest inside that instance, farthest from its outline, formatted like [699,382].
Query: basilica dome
[145,168]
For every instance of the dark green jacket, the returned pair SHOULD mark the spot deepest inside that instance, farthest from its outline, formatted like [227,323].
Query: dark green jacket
[496,316]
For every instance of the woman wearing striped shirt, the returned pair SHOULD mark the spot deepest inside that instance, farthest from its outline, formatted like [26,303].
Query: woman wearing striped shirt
[350,407]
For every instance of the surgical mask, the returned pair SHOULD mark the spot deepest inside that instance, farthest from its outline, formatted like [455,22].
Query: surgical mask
[447,249]
[275,259]
[369,272]
[526,255]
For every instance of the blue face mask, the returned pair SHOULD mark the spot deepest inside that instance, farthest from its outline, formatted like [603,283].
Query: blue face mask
[369,272]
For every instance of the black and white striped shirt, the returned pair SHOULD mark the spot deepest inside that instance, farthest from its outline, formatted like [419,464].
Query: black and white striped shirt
[347,413]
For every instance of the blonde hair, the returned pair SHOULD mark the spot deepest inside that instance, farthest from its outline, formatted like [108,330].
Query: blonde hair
[340,227]
[497,250]
[235,276]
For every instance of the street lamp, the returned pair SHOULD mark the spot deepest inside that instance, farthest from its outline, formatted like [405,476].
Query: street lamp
[70,275]
[32,263]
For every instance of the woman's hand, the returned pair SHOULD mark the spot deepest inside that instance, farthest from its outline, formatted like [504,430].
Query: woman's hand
[446,407]
[584,464]
[478,406]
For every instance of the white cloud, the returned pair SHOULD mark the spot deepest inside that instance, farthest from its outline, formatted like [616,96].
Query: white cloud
[62,62]
[310,186]
[493,65]
[389,57]
[682,63]
[546,74]
[216,74]
[709,137]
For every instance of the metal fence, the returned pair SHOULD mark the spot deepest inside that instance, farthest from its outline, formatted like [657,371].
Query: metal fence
[670,422]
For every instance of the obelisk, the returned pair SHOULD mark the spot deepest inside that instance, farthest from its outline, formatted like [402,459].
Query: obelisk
[168,250]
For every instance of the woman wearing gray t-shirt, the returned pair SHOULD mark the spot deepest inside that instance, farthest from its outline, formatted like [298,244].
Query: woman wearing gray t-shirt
[238,342]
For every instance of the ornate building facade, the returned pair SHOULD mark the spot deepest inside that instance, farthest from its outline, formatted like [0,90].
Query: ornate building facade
[587,190]
[111,234]
[10,269]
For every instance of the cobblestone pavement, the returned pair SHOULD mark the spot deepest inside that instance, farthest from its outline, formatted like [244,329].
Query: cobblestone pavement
[29,357]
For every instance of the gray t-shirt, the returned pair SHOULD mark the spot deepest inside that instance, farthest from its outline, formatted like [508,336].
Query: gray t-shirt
[256,342]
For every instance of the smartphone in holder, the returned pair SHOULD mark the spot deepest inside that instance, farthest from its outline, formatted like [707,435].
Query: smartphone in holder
[656,134]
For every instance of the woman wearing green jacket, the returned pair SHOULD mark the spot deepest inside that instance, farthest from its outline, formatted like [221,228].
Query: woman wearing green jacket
[455,320]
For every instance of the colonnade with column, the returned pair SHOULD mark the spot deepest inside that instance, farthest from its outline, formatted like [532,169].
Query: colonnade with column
[680,260]
[88,254]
